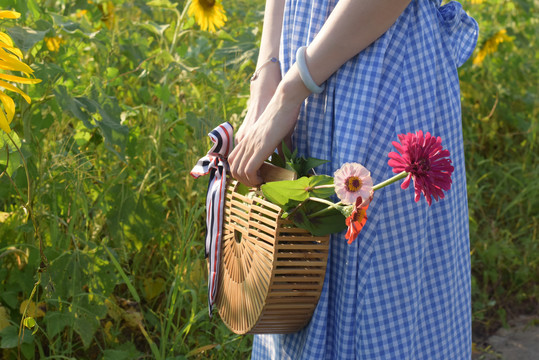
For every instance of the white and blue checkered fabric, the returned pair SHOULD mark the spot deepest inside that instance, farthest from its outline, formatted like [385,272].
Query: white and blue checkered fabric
[402,290]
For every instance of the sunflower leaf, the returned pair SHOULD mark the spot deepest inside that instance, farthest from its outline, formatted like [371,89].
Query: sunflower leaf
[25,38]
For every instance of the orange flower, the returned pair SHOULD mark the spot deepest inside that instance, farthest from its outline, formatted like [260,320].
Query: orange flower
[356,220]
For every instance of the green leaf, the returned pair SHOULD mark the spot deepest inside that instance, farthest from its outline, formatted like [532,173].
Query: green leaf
[15,161]
[311,163]
[86,326]
[281,192]
[328,223]
[10,337]
[223,35]
[74,106]
[123,275]
[83,316]
[289,208]
[25,38]
[68,273]
[34,8]
[289,193]
[304,166]
[56,321]
[242,189]
[9,297]
[277,160]
[300,165]
[286,152]
[4,140]
[125,351]
[320,180]
[110,125]
[71,27]
[28,350]
[162,92]
[155,28]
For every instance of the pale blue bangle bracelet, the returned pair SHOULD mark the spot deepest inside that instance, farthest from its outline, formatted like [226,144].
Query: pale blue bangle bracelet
[304,72]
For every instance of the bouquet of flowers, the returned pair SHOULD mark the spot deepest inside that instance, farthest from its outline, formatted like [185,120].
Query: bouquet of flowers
[307,201]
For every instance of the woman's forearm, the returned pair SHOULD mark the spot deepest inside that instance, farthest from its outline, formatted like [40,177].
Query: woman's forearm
[351,27]
[271,31]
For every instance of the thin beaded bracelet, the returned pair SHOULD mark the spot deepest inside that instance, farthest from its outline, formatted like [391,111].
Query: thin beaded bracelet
[304,72]
[257,71]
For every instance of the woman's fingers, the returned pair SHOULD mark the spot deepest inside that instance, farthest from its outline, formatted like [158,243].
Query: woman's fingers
[246,159]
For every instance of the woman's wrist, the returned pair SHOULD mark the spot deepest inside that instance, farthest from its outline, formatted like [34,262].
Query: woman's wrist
[269,62]
[292,88]
[267,80]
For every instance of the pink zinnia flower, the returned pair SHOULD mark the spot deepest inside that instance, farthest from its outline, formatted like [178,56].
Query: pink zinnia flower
[353,180]
[425,161]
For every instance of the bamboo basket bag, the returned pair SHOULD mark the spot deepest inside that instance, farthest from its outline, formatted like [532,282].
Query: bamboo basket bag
[271,272]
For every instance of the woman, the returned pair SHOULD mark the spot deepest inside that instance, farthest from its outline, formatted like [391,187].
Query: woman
[387,67]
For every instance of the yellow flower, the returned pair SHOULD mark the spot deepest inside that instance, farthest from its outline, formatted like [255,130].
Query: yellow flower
[491,46]
[53,43]
[10,57]
[209,14]
[80,13]
[109,14]
[7,14]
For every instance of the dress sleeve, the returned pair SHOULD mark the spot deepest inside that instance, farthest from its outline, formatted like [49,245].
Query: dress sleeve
[461,31]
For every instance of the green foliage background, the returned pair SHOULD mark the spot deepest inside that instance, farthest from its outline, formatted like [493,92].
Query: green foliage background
[117,123]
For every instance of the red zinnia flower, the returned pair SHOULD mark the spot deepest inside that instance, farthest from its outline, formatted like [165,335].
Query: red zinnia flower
[356,220]
[425,161]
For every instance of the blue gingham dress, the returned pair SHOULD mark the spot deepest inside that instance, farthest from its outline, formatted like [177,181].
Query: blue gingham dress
[402,289]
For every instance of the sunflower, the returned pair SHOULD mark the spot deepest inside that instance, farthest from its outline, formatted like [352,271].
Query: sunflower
[491,46]
[10,57]
[209,14]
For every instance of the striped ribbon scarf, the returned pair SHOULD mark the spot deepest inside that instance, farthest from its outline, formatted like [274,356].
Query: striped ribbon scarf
[215,163]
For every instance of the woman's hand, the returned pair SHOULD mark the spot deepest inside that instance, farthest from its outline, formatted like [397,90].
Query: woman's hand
[263,136]
[262,90]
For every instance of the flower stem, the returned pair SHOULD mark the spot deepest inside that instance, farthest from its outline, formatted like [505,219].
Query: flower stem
[323,211]
[395,178]
[323,201]
[328,186]
[28,206]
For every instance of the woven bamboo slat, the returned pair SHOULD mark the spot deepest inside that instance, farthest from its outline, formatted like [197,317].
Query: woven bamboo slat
[271,272]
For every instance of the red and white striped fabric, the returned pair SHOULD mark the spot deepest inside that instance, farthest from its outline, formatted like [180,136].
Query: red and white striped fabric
[215,163]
